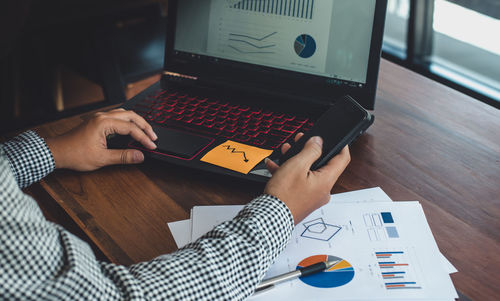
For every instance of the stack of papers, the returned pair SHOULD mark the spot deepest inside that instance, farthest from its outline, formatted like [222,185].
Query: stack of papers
[386,250]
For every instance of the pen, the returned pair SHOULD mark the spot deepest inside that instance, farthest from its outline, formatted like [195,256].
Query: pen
[302,272]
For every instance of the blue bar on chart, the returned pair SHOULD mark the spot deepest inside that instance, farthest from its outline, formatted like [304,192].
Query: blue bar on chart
[387,217]
[393,275]
[392,232]
[288,8]
[387,254]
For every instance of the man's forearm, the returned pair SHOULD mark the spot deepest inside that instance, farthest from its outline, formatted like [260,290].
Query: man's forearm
[226,263]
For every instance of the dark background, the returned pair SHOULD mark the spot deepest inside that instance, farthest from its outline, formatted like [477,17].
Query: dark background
[52,50]
[63,57]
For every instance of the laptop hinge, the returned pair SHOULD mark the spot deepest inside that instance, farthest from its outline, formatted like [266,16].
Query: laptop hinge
[185,79]
[174,75]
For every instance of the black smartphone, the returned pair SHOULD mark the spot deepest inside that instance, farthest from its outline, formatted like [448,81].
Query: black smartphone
[339,126]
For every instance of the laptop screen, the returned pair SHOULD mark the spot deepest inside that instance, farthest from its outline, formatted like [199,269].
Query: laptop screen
[326,38]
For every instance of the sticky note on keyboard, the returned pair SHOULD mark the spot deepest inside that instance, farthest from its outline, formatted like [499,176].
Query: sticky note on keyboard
[236,156]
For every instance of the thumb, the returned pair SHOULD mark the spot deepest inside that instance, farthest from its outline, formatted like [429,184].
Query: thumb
[271,166]
[311,152]
[124,156]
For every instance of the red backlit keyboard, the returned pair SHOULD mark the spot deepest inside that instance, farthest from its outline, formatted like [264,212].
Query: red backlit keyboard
[241,123]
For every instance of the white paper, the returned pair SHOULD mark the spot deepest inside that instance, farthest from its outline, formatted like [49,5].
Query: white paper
[369,195]
[205,218]
[345,234]
[376,194]
[447,265]
[181,231]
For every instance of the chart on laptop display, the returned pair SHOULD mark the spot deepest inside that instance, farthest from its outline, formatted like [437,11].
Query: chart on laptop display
[273,33]
[328,38]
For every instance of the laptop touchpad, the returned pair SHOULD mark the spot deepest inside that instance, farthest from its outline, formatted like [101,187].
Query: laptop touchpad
[178,143]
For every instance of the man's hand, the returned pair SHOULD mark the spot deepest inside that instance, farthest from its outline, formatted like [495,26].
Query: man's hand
[84,148]
[301,189]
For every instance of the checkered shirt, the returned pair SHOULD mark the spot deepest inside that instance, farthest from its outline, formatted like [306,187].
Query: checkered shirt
[40,260]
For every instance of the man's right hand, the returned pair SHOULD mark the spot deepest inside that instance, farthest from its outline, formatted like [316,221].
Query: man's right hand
[85,148]
[301,189]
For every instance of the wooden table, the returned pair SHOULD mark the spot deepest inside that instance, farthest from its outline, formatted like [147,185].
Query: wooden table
[429,143]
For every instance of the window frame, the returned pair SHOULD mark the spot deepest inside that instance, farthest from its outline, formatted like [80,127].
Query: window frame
[419,50]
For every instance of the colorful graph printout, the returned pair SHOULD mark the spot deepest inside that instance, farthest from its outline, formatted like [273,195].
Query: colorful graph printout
[319,230]
[338,275]
[395,270]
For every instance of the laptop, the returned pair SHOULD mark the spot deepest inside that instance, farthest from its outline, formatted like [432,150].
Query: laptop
[248,75]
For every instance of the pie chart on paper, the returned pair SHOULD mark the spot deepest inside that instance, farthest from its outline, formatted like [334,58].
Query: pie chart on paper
[305,46]
[338,275]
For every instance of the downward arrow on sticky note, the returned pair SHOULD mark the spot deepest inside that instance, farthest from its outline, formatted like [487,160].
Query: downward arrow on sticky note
[236,156]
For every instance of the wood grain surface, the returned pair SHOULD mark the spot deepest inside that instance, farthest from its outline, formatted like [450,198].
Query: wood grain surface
[429,143]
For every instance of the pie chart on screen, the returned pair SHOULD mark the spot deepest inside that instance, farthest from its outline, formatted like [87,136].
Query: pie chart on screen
[338,275]
[305,46]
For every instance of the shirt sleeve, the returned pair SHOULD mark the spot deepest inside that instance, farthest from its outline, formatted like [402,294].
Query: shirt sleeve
[225,264]
[42,261]
[29,158]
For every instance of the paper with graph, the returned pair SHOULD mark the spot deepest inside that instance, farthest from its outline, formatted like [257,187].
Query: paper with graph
[386,251]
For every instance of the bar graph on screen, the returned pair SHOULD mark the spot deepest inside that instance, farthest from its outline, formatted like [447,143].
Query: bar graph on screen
[288,8]
[288,34]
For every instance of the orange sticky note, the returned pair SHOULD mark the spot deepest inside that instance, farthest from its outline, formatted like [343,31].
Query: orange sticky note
[236,156]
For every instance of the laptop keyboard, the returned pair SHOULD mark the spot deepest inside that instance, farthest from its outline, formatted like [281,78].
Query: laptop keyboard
[213,118]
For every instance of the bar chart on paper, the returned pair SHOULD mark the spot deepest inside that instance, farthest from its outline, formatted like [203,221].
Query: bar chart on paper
[396,270]
[338,275]
[288,8]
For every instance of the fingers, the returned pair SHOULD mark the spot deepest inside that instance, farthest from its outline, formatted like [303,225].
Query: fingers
[135,118]
[124,156]
[298,136]
[311,152]
[334,168]
[271,166]
[286,146]
[117,126]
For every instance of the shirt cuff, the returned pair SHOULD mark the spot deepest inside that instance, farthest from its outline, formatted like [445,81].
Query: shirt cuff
[29,158]
[276,221]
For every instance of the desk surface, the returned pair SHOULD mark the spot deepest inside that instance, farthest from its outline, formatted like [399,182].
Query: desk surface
[429,143]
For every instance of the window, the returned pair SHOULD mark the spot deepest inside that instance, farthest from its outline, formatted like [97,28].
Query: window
[456,42]
[396,27]
[466,47]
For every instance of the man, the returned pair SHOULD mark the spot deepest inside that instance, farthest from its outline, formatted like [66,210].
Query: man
[40,260]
